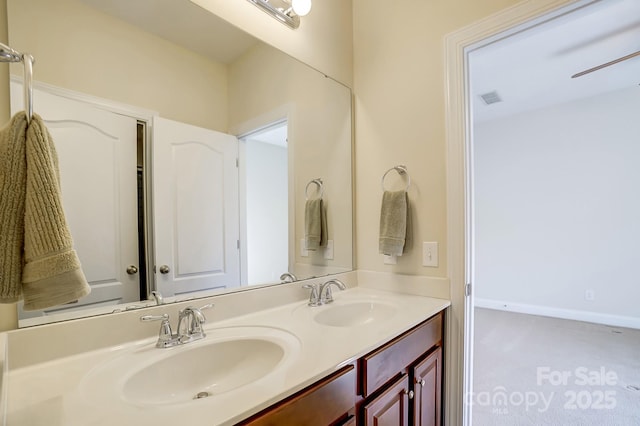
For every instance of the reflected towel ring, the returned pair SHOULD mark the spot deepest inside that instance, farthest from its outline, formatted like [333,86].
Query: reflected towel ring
[318,182]
[402,170]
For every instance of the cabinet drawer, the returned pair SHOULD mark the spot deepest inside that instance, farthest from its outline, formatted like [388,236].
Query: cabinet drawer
[321,404]
[381,365]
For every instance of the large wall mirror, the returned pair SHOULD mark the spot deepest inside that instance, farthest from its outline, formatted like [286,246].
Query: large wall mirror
[188,151]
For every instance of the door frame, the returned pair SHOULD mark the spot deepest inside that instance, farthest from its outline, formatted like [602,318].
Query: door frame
[459,136]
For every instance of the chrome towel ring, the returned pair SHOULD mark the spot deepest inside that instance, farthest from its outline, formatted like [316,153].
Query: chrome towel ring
[402,170]
[318,182]
[7,54]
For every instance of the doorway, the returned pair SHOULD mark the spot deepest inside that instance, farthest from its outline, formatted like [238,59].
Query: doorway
[264,182]
[465,193]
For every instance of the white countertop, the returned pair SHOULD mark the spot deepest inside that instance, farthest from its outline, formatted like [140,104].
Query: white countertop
[53,393]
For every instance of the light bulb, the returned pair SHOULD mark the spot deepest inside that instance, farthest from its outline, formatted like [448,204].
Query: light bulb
[301,7]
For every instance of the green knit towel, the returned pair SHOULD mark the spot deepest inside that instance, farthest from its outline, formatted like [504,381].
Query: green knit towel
[50,269]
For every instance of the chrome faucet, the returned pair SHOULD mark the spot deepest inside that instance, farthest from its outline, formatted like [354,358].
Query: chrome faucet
[325,290]
[321,294]
[288,277]
[190,321]
[157,296]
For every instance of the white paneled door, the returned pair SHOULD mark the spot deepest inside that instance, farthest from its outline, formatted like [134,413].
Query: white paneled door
[196,213]
[97,159]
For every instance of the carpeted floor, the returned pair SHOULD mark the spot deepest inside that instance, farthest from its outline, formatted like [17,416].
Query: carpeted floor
[531,370]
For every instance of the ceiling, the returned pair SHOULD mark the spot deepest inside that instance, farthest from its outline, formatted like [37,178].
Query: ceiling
[532,69]
[184,23]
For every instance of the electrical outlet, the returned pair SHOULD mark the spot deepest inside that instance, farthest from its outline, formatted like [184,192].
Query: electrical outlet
[589,295]
[430,254]
[328,250]
[303,251]
[390,259]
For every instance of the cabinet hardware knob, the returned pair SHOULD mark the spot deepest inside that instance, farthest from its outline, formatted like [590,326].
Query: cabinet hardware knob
[164,269]
[132,270]
[420,381]
[409,393]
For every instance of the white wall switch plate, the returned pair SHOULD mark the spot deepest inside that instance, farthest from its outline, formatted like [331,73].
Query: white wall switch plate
[328,250]
[430,254]
[589,295]
[390,259]
[303,251]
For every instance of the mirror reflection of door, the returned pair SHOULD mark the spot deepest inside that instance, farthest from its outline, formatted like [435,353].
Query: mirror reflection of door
[196,212]
[264,204]
[97,161]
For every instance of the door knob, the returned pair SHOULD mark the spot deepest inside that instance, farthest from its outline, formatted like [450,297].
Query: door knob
[164,269]
[132,270]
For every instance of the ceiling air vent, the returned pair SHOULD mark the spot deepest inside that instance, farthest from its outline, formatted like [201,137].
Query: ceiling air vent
[491,98]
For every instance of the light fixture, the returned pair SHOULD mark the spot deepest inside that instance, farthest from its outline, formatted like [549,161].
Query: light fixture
[301,7]
[286,11]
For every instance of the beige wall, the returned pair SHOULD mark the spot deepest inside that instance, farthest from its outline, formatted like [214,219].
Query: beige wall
[79,48]
[323,40]
[399,116]
[319,114]
[8,314]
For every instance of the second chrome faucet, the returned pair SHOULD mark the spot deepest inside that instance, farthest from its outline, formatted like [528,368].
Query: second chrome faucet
[321,293]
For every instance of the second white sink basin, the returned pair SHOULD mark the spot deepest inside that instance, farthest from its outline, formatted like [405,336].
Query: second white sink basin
[353,314]
[224,362]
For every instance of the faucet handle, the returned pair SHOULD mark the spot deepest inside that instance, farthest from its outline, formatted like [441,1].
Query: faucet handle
[147,318]
[314,299]
[165,335]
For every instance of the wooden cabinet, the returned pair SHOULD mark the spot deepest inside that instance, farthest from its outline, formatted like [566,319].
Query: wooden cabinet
[427,380]
[327,402]
[398,384]
[391,407]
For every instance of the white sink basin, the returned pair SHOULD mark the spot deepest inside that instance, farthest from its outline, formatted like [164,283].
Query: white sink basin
[203,371]
[224,362]
[356,313]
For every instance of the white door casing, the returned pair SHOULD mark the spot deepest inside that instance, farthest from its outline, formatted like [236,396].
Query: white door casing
[97,160]
[196,212]
[459,325]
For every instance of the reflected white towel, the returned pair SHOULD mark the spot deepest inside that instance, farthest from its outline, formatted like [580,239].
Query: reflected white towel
[315,224]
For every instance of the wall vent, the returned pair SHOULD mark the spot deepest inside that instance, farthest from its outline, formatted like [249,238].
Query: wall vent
[491,98]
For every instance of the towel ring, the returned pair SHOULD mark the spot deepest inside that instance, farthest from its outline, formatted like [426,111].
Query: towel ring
[402,170]
[318,182]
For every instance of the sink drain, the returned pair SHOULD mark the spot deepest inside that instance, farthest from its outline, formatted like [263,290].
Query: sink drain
[201,395]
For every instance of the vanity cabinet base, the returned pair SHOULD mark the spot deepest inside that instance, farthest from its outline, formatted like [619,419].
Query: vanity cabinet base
[397,384]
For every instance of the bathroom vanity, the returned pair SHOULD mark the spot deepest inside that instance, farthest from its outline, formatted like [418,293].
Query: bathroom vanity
[399,383]
[371,356]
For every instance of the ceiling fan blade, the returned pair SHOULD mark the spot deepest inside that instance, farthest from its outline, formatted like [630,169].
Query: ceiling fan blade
[606,64]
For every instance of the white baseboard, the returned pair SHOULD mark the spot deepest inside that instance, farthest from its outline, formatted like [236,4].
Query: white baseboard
[571,314]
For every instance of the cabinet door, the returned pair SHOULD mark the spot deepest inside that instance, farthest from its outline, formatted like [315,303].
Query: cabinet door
[428,385]
[391,408]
